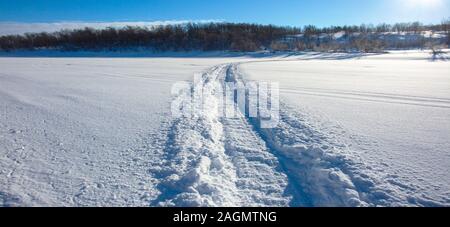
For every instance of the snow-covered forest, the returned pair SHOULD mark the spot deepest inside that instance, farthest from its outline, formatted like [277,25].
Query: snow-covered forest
[238,37]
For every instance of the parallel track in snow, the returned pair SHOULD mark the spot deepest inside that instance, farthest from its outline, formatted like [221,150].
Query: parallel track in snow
[210,160]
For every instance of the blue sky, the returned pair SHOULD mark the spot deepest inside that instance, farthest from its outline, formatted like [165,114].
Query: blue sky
[280,12]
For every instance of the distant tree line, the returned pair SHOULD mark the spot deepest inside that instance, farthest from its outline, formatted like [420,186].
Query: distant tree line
[234,37]
[367,38]
[414,27]
[206,37]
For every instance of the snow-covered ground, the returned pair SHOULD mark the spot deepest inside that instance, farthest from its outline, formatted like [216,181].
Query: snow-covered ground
[354,130]
[390,113]
[79,131]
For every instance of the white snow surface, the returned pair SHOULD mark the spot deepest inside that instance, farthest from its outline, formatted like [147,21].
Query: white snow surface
[389,116]
[82,131]
[354,130]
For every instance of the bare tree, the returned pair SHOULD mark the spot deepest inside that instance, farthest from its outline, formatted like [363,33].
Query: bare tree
[445,26]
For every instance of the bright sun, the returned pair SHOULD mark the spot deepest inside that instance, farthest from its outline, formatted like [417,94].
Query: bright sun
[422,3]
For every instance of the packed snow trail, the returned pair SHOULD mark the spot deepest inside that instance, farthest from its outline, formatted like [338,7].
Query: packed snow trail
[211,160]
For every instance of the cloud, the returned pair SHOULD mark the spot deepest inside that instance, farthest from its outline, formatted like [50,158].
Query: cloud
[18,28]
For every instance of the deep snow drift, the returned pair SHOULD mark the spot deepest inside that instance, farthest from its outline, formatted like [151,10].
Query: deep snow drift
[354,130]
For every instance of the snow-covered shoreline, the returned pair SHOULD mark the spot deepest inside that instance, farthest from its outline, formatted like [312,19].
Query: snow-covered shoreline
[417,54]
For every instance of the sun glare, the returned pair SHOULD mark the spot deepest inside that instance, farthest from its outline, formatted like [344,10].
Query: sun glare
[422,3]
